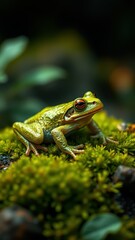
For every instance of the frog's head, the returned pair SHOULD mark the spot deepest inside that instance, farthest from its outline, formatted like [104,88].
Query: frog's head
[83,107]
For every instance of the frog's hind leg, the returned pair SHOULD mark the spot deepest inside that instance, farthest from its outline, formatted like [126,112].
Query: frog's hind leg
[31,136]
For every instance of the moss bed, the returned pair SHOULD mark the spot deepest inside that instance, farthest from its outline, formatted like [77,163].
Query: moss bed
[62,193]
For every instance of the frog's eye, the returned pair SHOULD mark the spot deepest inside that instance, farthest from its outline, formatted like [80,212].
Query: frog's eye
[80,104]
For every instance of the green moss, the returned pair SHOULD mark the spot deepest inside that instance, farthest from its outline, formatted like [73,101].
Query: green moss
[63,193]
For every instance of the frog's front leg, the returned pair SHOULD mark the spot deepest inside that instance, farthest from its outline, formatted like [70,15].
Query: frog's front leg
[60,140]
[97,133]
[31,135]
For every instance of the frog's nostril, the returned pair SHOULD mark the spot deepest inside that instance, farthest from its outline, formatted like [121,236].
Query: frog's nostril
[94,102]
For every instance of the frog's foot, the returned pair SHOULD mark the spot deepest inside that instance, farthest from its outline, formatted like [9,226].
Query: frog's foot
[103,138]
[75,150]
[33,147]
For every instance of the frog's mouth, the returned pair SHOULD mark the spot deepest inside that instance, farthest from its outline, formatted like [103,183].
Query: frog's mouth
[76,118]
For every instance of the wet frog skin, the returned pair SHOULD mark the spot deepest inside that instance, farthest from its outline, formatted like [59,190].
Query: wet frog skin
[52,124]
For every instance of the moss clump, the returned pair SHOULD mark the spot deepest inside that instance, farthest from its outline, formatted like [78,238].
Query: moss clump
[63,193]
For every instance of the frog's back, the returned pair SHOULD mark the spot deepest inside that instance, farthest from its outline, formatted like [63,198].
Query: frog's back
[50,114]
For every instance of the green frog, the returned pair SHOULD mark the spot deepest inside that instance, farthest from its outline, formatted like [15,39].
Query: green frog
[53,124]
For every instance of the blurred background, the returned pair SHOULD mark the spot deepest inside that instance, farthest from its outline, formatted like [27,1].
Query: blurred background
[54,51]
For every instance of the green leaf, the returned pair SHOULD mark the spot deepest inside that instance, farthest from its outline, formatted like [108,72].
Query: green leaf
[39,76]
[100,226]
[10,49]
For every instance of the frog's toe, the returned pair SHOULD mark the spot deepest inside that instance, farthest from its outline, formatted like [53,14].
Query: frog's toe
[77,150]
[27,153]
[79,146]
[110,140]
